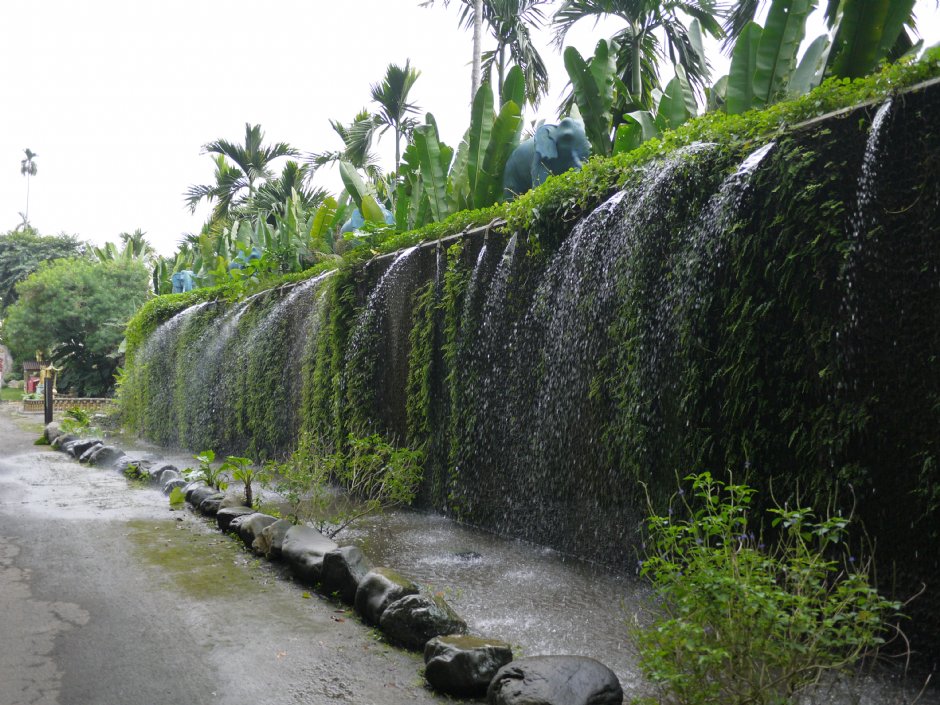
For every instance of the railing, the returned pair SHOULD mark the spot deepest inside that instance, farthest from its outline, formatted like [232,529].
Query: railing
[65,403]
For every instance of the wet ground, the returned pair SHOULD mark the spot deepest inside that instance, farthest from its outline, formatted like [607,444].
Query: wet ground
[107,597]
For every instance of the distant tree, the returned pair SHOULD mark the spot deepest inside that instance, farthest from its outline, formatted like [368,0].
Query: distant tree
[75,312]
[28,169]
[236,182]
[21,253]
[133,246]
[394,109]
[509,23]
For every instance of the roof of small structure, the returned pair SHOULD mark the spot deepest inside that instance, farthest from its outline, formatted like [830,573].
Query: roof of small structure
[33,365]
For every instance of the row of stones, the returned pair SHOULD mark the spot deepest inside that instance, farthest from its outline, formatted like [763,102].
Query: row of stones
[455,663]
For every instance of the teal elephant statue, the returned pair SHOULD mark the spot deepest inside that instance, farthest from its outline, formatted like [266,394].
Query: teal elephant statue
[554,150]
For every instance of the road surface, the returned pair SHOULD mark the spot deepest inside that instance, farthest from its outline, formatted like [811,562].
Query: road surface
[109,598]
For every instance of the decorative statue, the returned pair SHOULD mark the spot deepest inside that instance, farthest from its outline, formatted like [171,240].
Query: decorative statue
[553,150]
[182,281]
[356,221]
[242,260]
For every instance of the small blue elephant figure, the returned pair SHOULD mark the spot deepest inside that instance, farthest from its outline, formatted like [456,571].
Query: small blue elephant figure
[356,221]
[243,259]
[182,281]
[554,150]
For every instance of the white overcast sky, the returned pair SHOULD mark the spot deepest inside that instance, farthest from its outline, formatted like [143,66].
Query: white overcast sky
[117,97]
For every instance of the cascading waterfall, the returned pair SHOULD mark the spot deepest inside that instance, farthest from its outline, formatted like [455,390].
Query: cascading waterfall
[697,319]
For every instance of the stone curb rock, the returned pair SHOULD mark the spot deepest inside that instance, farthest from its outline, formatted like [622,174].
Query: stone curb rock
[105,456]
[85,455]
[378,589]
[52,431]
[210,505]
[199,494]
[78,448]
[226,515]
[192,487]
[271,539]
[343,570]
[173,484]
[233,499]
[555,680]
[415,619]
[252,525]
[168,475]
[121,464]
[463,666]
[62,440]
[303,549]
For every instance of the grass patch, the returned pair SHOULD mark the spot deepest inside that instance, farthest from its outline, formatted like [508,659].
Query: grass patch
[204,566]
[10,394]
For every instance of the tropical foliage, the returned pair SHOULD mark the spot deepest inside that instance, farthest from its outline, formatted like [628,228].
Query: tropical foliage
[74,311]
[22,252]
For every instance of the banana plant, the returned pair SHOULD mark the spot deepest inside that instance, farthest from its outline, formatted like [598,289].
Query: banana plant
[595,82]
[676,105]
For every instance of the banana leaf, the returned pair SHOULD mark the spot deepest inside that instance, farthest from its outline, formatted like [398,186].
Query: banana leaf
[433,176]
[514,87]
[867,31]
[481,126]
[594,92]
[355,186]
[809,72]
[777,51]
[739,97]
[503,140]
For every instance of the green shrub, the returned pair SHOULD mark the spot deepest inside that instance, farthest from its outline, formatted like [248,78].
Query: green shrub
[744,622]
[213,477]
[242,470]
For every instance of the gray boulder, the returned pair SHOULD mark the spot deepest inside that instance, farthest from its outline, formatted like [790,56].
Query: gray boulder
[415,619]
[78,447]
[343,570]
[62,440]
[173,484]
[303,548]
[269,542]
[121,464]
[105,456]
[252,525]
[192,487]
[166,476]
[378,589]
[85,455]
[226,515]
[233,499]
[52,431]
[210,505]
[200,494]
[555,680]
[156,472]
[463,666]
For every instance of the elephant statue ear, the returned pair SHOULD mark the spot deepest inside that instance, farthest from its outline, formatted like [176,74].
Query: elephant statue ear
[545,147]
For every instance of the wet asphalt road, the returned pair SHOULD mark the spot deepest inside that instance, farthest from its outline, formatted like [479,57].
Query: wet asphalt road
[109,598]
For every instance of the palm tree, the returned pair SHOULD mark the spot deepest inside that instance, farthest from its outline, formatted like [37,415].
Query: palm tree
[392,97]
[250,164]
[28,169]
[509,22]
[357,146]
[640,46]
[273,195]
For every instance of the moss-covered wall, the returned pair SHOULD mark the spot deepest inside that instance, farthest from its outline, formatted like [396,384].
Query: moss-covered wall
[761,320]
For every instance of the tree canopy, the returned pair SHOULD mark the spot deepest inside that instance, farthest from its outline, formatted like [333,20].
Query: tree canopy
[21,253]
[75,311]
